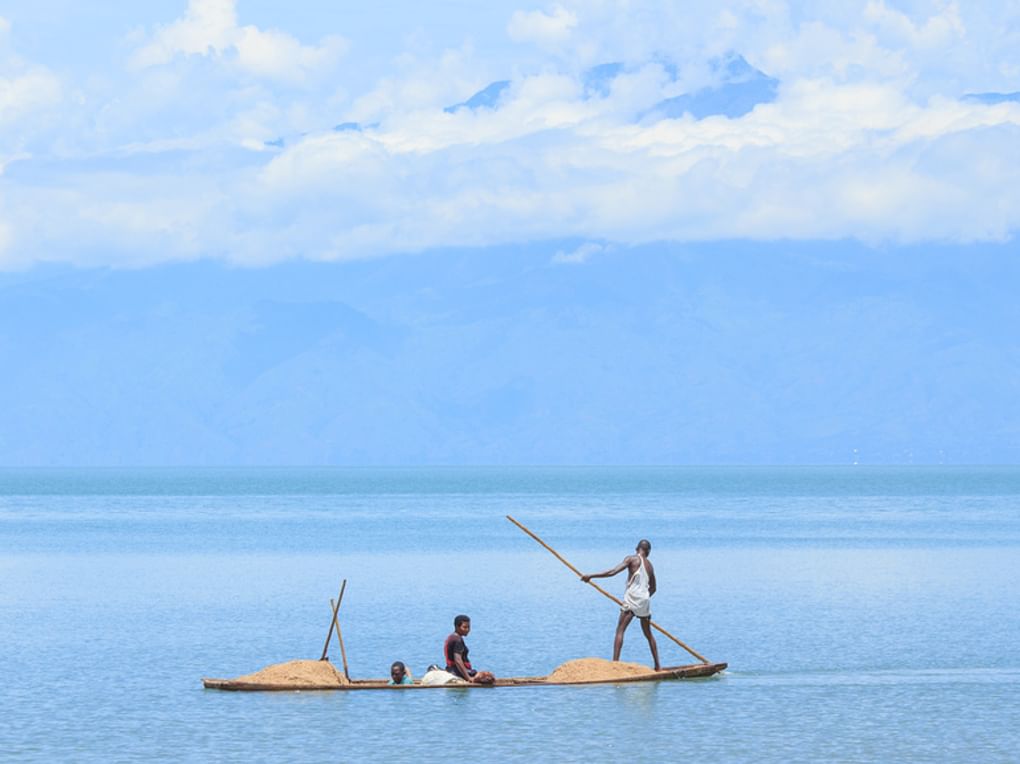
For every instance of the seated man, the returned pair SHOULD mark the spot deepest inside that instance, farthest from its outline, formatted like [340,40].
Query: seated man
[456,653]
[399,674]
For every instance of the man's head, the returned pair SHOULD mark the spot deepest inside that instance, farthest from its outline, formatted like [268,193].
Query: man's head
[397,671]
[462,625]
[644,546]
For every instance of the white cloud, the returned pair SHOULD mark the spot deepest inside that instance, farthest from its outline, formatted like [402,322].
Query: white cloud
[942,29]
[809,154]
[867,139]
[422,84]
[580,255]
[26,93]
[274,54]
[817,49]
[5,238]
[542,28]
[827,160]
[25,88]
[210,28]
[931,45]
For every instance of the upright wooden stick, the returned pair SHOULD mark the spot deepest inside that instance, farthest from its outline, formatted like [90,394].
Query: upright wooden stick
[329,634]
[340,636]
[598,588]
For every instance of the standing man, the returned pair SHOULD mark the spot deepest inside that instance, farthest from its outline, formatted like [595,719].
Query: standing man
[637,600]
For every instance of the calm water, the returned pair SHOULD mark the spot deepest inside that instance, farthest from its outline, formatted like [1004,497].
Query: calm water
[867,614]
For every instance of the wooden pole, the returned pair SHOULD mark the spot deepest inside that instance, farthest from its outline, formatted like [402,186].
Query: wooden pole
[329,634]
[340,636]
[598,588]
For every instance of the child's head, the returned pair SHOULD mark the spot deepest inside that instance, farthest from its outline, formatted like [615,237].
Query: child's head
[462,625]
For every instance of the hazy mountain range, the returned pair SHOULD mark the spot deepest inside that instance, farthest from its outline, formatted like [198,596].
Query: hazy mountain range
[749,353]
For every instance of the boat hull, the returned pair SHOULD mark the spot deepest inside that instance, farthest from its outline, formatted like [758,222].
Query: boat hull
[693,671]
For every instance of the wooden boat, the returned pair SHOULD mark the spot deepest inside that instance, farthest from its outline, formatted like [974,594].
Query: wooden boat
[693,671]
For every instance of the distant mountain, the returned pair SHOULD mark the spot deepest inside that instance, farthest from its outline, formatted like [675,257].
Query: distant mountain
[599,79]
[992,98]
[343,127]
[740,88]
[486,98]
[817,352]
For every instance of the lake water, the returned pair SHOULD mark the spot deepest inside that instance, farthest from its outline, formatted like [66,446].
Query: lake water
[867,614]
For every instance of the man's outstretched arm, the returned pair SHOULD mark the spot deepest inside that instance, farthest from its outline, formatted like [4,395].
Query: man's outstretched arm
[607,573]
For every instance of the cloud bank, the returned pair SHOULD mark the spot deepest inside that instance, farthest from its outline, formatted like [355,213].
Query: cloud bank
[620,123]
[210,28]
[26,89]
[551,28]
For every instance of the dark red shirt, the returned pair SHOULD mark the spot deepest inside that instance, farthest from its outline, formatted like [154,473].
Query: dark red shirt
[455,646]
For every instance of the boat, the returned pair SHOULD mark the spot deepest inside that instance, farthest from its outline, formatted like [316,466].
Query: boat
[705,668]
[693,671]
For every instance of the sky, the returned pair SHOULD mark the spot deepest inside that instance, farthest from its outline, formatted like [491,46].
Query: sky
[427,152]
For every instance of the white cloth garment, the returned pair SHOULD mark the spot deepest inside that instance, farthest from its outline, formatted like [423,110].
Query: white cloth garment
[637,599]
[438,676]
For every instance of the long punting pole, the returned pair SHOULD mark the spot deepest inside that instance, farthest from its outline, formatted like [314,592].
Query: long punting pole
[329,634]
[340,636]
[598,588]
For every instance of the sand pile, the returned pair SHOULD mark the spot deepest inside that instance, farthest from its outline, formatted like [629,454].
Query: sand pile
[589,669]
[298,674]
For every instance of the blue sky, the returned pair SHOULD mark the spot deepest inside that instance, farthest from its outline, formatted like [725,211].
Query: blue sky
[147,147]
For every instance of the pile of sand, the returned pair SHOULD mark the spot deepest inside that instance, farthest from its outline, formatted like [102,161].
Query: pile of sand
[589,669]
[298,674]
